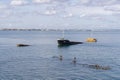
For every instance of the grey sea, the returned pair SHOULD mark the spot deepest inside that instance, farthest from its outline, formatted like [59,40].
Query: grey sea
[39,61]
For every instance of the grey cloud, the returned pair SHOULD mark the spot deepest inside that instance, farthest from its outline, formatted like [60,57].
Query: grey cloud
[63,7]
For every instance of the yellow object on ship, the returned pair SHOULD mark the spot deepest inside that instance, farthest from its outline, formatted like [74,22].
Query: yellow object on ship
[91,40]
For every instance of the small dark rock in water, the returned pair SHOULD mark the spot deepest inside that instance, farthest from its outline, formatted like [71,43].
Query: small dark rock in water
[22,45]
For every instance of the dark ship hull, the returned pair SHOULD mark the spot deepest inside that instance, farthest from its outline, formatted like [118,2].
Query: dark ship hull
[22,45]
[67,42]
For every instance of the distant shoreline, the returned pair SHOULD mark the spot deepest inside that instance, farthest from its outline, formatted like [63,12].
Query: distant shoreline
[8,29]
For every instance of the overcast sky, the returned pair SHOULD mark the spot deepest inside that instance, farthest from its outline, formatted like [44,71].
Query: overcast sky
[60,14]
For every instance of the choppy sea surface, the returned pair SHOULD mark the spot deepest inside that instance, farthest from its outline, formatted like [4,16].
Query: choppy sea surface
[39,62]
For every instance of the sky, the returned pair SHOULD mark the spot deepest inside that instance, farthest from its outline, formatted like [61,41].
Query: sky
[60,14]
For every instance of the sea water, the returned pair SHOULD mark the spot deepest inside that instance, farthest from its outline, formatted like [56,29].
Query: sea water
[39,61]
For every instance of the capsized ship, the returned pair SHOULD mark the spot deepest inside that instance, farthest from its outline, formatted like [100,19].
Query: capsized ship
[65,42]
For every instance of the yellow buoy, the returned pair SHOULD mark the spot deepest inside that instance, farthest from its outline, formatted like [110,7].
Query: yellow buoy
[91,40]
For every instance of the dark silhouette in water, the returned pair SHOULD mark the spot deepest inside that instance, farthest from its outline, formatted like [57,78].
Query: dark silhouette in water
[96,66]
[58,57]
[55,57]
[93,66]
[61,57]
[74,60]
